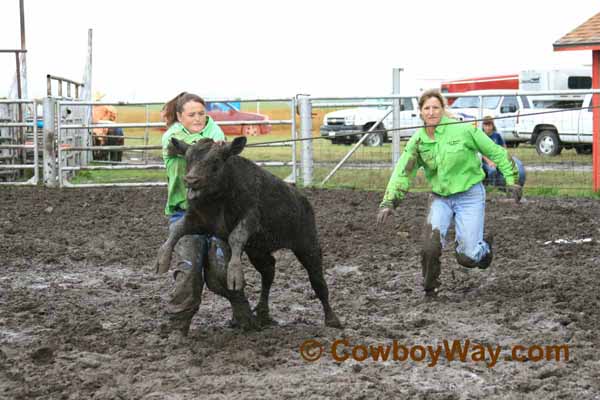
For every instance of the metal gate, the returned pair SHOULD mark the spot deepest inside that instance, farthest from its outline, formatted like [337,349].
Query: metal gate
[19,142]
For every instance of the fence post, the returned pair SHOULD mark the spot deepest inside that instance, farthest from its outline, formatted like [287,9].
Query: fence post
[293,106]
[306,135]
[49,159]
[396,117]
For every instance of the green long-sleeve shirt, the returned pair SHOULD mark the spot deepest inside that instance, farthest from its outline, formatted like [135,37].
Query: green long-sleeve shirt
[450,161]
[176,164]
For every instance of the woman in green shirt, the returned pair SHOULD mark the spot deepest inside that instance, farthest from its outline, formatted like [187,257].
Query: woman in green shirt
[448,151]
[187,120]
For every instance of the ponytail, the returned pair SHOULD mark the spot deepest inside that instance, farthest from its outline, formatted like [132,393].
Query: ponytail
[168,114]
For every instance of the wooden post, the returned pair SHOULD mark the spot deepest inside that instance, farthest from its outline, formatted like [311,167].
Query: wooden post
[596,120]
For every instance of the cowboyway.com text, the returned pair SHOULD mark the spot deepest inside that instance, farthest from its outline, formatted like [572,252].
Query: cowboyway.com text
[456,350]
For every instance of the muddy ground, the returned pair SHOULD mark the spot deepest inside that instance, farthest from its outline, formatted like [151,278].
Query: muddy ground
[80,306]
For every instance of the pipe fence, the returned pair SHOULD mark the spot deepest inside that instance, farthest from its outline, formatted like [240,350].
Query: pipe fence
[19,151]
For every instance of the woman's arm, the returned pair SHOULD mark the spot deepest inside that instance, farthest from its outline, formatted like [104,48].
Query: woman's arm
[404,172]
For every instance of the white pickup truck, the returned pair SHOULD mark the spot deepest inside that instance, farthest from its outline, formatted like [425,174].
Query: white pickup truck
[551,132]
[349,125]
[505,105]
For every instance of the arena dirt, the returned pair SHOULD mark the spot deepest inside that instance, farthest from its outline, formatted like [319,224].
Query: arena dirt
[80,306]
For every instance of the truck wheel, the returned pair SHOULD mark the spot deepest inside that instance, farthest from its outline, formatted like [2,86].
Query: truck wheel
[548,144]
[374,139]
[251,130]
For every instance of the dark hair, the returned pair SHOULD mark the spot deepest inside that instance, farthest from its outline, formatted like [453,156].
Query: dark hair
[175,105]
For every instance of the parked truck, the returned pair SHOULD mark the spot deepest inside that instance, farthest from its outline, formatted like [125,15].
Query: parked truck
[553,132]
[349,125]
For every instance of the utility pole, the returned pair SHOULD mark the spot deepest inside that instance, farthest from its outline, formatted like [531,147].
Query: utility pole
[396,118]
[22,78]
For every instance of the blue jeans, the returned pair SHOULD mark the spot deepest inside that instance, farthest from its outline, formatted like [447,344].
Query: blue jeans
[494,177]
[467,209]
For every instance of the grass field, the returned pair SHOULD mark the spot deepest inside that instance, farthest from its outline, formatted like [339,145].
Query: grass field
[569,180]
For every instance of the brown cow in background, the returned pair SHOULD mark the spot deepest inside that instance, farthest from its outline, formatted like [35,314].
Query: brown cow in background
[105,114]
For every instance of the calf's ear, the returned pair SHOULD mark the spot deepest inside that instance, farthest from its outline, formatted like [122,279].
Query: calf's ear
[237,146]
[179,146]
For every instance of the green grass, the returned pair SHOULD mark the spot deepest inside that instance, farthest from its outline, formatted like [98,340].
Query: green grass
[545,184]
[131,176]
[119,176]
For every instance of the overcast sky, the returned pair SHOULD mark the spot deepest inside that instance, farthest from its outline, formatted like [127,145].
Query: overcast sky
[151,50]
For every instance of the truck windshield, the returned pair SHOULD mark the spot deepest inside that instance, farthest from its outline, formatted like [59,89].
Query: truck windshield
[490,102]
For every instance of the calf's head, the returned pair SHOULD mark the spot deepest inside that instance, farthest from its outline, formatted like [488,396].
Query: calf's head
[205,175]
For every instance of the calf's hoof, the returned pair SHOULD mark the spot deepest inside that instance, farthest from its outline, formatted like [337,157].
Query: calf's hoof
[332,321]
[246,324]
[266,321]
[263,317]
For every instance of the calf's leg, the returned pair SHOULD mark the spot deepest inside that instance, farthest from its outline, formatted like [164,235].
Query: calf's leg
[237,241]
[219,255]
[265,264]
[310,258]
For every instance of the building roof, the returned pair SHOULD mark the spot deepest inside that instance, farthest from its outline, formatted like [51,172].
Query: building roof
[585,37]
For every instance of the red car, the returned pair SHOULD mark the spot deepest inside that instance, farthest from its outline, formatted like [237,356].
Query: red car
[227,112]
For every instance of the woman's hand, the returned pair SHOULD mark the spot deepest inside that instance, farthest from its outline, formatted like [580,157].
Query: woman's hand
[515,191]
[383,215]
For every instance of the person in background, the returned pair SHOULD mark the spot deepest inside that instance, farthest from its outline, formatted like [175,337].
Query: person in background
[186,120]
[448,151]
[493,177]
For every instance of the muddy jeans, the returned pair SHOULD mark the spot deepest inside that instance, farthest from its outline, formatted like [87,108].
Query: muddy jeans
[467,211]
[190,255]
[199,259]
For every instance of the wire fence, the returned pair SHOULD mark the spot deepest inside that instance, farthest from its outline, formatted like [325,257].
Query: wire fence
[552,139]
